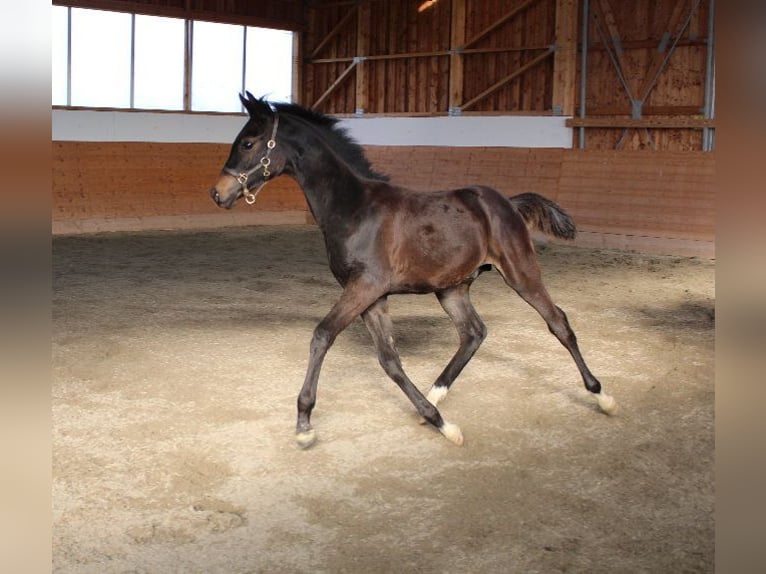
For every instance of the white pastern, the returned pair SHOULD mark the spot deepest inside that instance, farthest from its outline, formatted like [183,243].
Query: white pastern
[452,432]
[607,403]
[436,395]
[306,439]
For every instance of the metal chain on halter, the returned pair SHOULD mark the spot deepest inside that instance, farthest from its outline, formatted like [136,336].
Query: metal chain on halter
[264,164]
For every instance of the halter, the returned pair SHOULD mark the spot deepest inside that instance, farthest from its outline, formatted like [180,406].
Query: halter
[264,164]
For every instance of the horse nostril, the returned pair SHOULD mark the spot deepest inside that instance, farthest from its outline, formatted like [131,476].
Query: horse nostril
[214,195]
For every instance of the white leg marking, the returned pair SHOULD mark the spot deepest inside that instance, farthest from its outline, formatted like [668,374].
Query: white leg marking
[607,403]
[436,395]
[306,439]
[452,432]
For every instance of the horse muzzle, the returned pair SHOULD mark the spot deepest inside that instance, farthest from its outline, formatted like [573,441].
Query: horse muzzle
[225,192]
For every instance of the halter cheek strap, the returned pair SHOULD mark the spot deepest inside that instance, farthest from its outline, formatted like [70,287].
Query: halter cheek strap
[264,163]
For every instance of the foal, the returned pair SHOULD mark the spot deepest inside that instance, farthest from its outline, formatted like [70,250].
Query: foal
[382,239]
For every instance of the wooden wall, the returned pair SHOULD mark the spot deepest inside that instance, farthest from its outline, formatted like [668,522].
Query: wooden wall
[114,186]
[654,202]
[635,37]
[517,56]
[408,65]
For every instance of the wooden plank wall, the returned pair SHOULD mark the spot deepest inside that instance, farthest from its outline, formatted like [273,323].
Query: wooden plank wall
[407,66]
[494,56]
[654,202]
[679,91]
[533,27]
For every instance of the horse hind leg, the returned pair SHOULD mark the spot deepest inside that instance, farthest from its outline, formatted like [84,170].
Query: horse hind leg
[471,330]
[378,323]
[527,282]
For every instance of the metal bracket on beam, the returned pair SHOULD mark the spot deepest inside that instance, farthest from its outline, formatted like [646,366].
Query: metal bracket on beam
[636,109]
[663,45]
[359,112]
[455,111]
[359,59]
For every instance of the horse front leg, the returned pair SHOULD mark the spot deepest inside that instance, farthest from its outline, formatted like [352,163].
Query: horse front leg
[379,325]
[356,297]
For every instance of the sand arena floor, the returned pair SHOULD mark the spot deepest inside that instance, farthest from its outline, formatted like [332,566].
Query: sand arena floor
[178,356]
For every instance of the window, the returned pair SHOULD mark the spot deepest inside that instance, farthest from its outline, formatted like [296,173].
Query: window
[158,68]
[216,66]
[60,55]
[120,60]
[269,63]
[101,59]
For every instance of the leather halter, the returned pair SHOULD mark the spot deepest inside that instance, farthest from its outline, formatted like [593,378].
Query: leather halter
[264,163]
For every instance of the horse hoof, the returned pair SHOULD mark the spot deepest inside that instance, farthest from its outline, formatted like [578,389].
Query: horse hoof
[452,432]
[306,439]
[607,403]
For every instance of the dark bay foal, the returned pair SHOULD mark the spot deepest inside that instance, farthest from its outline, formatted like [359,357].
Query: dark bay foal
[382,239]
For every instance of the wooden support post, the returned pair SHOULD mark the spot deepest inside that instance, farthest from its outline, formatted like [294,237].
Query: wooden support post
[565,58]
[364,12]
[297,84]
[457,38]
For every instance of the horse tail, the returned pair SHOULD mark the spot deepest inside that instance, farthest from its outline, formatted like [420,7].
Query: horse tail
[544,215]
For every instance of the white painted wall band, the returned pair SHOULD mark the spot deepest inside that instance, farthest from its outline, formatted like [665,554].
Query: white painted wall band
[464,131]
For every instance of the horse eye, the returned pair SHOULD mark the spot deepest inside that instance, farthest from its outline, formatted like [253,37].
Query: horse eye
[247,145]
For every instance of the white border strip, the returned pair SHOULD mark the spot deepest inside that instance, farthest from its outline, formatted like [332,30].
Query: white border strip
[465,131]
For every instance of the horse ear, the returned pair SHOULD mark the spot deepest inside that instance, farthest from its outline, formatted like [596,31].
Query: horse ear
[254,106]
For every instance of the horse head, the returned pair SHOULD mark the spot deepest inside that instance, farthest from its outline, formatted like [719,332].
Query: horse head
[255,155]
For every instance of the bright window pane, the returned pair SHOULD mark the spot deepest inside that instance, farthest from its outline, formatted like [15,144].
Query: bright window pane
[159,63]
[269,70]
[100,58]
[59,39]
[217,67]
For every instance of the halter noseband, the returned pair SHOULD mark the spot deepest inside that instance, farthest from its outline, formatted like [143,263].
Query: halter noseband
[264,164]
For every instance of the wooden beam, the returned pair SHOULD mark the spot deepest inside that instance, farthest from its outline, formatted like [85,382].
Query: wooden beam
[683,122]
[338,81]
[457,37]
[650,43]
[337,28]
[660,57]
[405,55]
[509,16]
[194,12]
[497,85]
[648,111]
[363,24]
[602,12]
[565,58]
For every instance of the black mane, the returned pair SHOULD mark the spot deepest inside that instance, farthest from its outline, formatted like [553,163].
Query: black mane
[342,144]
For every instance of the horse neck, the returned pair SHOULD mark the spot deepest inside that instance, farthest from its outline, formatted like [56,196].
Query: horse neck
[332,188]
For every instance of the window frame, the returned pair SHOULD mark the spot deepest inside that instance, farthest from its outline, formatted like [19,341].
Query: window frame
[187,71]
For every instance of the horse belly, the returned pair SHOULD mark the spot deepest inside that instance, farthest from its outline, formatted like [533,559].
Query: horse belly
[431,260]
